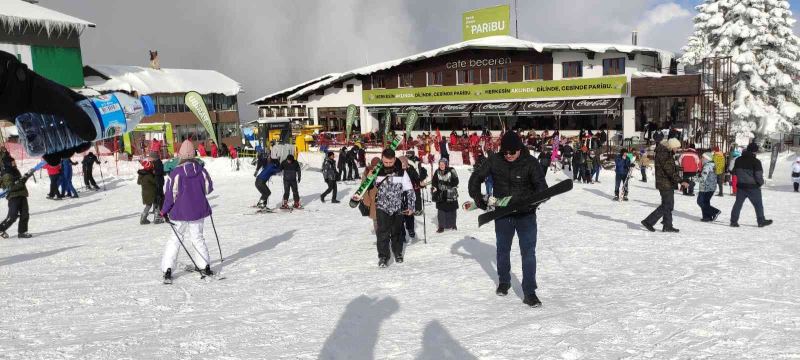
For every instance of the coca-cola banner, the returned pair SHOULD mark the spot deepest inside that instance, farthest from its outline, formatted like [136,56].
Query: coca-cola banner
[423,110]
[542,107]
[496,108]
[380,109]
[453,110]
[593,106]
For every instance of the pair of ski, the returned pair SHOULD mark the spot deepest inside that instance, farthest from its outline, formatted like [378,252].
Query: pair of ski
[502,208]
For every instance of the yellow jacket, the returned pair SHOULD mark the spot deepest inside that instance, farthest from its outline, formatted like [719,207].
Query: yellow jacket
[719,162]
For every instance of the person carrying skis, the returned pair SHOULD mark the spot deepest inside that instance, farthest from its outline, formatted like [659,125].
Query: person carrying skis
[17,195]
[517,174]
[667,180]
[621,167]
[54,173]
[329,175]
[186,206]
[707,180]
[262,178]
[796,174]
[66,178]
[392,184]
[750,175]
[291,177]
[87,165]
[147,180]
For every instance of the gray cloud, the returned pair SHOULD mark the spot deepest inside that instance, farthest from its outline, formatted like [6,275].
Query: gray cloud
[271,44]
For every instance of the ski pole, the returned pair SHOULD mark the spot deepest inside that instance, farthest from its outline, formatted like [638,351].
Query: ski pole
[221,259]
[102,179]
[172,226]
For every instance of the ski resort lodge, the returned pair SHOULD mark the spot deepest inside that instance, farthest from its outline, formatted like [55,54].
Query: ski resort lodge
[502,82]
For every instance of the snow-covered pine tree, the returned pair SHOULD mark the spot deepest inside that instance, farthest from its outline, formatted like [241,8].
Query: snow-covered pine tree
[758,36]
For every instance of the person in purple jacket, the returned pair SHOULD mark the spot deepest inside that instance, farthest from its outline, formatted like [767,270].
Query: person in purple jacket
[186,206]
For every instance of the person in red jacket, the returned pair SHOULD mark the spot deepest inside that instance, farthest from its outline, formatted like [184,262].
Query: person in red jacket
[201,149]
[691,165]
[214,150]
[54,172]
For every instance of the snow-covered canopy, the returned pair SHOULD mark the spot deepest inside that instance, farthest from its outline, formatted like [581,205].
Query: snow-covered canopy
[492,42]
[19,14]
[146,81]
[294,88]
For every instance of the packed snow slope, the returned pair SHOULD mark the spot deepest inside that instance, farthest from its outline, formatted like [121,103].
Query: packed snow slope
[305,285]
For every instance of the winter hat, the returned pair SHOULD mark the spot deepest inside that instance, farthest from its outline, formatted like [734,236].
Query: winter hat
[658,136]
[444,160]
[707,157]
[187,150]
[290,157]
[330,153]
[716,148]
[510,142]
[736,152]
[147,165]
[752,147]
[673,144]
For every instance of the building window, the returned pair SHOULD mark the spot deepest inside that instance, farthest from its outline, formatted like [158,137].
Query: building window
[377,82]
[350,87]
[572,69]
[498,74]
[465,77]
[435,78]
[406,80]
[614,66]
[533,72]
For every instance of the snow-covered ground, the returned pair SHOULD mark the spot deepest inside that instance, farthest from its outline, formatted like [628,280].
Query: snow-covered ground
[305,285]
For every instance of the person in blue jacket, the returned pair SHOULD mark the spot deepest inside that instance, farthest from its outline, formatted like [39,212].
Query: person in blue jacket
[261,182]
[66,178]
[622,164]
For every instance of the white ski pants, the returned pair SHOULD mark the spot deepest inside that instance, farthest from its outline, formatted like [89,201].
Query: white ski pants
[191,233]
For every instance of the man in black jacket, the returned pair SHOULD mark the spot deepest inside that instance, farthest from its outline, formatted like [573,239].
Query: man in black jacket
[352,164]
[291,177]
[517,174]
[667,180]
[750,174]
[88,166]
[329,175]
[342,164]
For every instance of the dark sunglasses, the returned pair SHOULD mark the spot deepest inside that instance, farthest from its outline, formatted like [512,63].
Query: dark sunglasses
[509,152]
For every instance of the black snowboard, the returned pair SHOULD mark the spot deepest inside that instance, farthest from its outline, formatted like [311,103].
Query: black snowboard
[527,204]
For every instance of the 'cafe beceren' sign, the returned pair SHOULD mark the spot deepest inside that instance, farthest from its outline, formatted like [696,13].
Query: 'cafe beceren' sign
[473,63]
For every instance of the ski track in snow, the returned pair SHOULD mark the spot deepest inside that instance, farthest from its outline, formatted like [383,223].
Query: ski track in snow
[305,285]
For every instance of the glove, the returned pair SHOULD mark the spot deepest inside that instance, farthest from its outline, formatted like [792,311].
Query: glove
[23,91]
[480,203]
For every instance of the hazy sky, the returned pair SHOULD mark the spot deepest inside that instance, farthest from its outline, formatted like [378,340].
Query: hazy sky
[268,45]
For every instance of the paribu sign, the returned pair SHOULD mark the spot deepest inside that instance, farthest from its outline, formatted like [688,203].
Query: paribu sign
[485,22]
[612,85]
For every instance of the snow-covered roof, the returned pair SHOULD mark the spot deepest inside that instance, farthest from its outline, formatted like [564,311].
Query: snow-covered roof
[19,14]
[492,42]
[649,74]
[145,80]
[294,88]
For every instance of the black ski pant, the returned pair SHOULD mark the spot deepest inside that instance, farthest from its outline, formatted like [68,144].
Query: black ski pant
[409,225]
[331,188]
[261,186]
[644,173]
[664,210]
[352,170]
[54,180]
[752,194]
[17,208]
[390,234]
[720,182]
[689,178]
[88,179]
[343,172]
[290,185]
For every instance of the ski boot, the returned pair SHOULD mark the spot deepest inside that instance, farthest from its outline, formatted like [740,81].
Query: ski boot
[765,223]
[382,263]
[624,198]
[297,205]
[285,205]
[532,300]
[168,277]
[502,289]
[207,271]
[322,199]
[24,235]
[144,221]
[616,198]
[334,201]
[158,220]
[3,235]
[398,259]
[669,229]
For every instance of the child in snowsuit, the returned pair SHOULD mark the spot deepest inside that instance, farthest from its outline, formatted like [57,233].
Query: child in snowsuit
[796,174]
[707,179]
[147,180]
[17,196]
[186,205]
